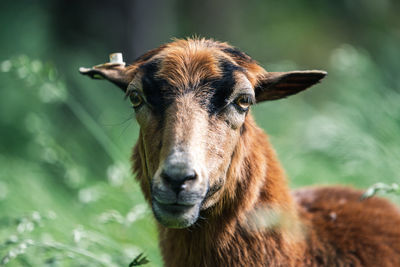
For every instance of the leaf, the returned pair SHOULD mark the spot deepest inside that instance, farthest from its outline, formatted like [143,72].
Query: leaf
[139,260]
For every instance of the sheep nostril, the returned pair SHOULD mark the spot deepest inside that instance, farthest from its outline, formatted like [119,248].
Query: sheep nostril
[177,181]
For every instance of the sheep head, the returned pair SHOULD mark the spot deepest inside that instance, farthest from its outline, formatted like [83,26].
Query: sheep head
[192,100]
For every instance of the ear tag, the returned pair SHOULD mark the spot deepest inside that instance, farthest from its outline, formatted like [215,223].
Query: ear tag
[117,58]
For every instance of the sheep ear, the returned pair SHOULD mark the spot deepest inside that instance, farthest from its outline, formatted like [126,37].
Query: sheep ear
[113,71]
[277,85]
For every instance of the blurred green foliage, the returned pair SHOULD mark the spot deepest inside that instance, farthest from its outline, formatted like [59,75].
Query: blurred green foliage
[67,197]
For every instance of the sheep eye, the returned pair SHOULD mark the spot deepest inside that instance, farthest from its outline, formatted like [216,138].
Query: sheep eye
[136,99]
[244,102]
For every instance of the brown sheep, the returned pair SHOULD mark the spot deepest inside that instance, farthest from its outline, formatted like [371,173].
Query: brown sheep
[213,180]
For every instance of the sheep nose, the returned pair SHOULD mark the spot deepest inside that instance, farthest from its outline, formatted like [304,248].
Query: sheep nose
[177,179]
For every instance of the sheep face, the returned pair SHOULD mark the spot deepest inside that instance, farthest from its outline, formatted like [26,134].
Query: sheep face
[188,132]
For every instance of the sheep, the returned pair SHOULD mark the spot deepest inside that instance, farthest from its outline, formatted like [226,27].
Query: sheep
[215,185]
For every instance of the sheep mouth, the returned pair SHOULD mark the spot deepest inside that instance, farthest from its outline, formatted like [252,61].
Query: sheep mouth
[175,215]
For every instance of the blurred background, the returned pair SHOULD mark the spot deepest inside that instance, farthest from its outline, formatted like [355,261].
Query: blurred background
[67,197]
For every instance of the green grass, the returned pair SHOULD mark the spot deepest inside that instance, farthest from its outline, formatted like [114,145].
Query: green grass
[57,210]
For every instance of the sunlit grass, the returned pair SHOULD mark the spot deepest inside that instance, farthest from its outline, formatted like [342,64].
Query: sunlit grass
[55,211]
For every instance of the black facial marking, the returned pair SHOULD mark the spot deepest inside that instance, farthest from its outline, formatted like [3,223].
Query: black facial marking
[153,86]
[223,87]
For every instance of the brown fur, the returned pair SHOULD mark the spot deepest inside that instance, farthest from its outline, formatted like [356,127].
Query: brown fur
[251,219]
